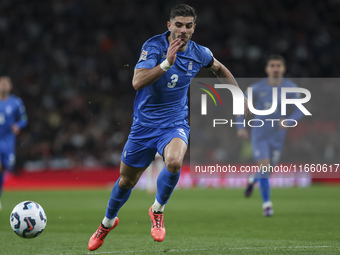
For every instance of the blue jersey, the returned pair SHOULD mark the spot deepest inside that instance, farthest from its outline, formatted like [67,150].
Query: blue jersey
[165,102]
[12,111]
[262,100]
[267,141]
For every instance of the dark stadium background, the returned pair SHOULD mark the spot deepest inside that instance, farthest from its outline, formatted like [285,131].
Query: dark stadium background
[72,63]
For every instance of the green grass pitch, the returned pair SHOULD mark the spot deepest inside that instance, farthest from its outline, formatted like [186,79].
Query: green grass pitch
[198,221]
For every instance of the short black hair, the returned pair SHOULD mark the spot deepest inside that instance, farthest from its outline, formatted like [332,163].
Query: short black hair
[5,77]
[276,57]
[183,10]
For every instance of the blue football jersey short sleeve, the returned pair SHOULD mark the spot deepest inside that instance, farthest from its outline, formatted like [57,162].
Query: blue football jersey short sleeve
[12,111]
[207,56]
[262,100]
[164,103]
[149,56]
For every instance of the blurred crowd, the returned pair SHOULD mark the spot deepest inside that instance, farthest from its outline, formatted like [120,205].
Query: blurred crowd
[72,61]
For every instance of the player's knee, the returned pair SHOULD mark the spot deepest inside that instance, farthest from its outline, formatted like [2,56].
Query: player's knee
[173,164]
[126,183]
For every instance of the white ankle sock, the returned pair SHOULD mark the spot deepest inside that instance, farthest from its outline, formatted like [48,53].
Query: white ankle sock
[157,207]
[267,204]
[108,223]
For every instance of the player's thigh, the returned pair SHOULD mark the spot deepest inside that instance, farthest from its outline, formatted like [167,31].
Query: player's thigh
[174,152]
[173,145]
[263,162]
[139,153]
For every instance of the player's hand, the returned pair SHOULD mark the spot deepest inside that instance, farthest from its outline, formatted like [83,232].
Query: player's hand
[243,134]
[15,129]
[172,50]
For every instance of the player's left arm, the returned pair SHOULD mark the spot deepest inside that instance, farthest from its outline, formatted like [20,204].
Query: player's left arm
[222,72]
[21,118]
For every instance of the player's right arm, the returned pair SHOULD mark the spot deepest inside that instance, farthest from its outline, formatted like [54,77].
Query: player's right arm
[143,77]
[221,71]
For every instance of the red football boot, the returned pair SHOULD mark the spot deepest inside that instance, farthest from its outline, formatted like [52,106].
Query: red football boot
[157,225]
[97,239]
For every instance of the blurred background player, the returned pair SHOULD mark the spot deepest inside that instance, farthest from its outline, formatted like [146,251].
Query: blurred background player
[162,77]
[267,141]
[152,172]
[12,119]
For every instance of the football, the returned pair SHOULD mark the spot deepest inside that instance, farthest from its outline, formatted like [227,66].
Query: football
[28,219]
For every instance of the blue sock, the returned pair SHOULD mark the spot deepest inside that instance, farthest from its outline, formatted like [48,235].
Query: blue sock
[264,189]
[117,200]
[2,177]
[166,183]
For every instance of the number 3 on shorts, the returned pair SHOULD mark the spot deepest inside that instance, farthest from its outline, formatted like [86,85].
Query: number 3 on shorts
[174,79]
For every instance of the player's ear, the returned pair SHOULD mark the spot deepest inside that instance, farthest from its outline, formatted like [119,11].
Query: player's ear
[168,24]
[266,69]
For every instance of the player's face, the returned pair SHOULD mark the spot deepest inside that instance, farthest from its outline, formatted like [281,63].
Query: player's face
[5,87]
[183,28]
[275,69]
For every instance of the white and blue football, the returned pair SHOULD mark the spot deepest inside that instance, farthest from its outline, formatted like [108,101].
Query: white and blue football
[28,219]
